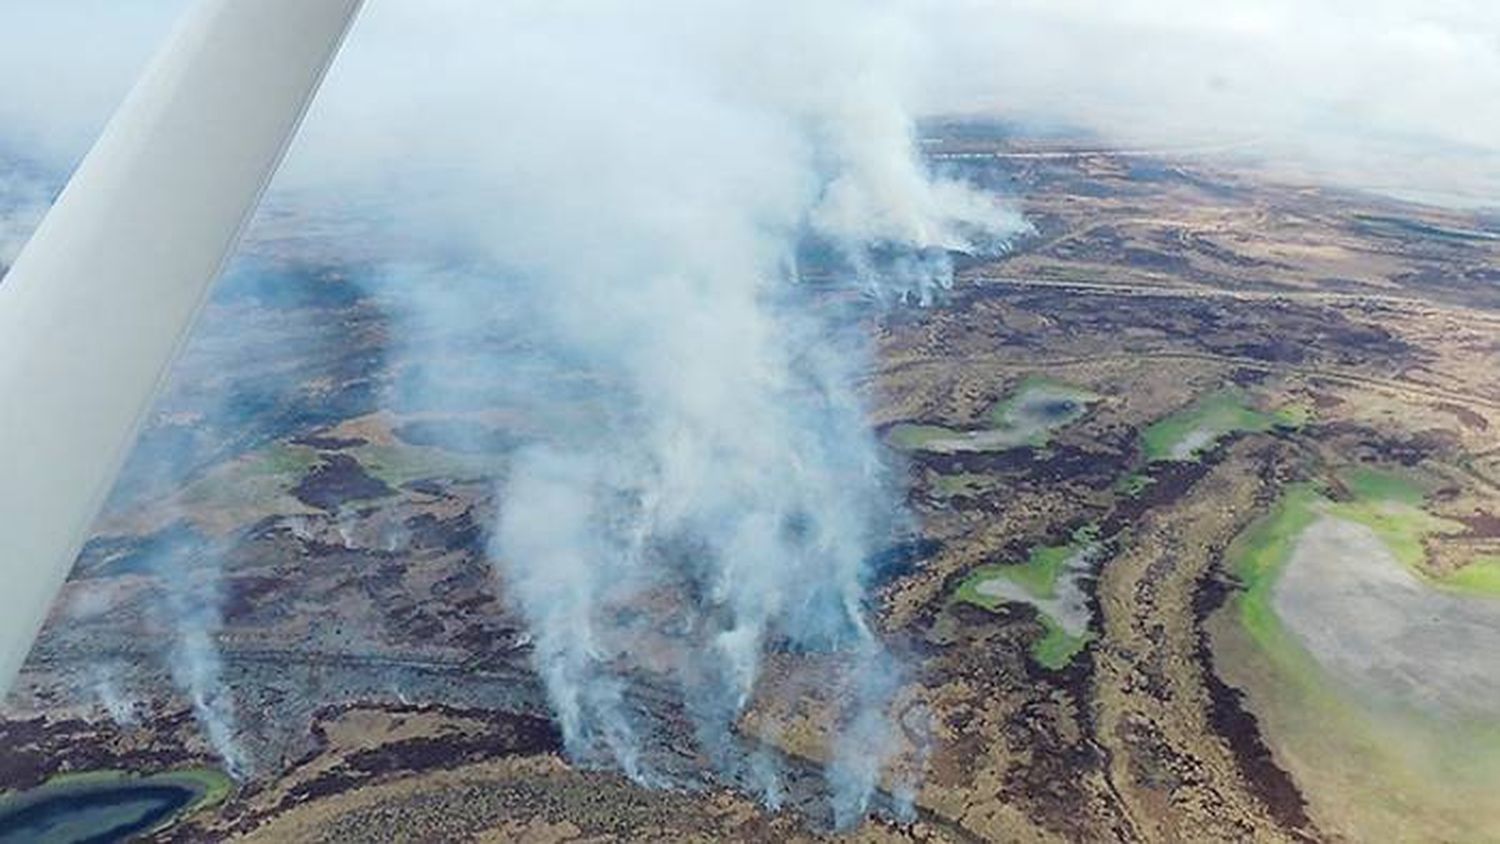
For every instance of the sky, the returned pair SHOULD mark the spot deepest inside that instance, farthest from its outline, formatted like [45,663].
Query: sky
[1392,95]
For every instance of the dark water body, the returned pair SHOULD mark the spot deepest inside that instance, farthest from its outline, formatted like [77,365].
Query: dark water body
[86,814]
[1055,410]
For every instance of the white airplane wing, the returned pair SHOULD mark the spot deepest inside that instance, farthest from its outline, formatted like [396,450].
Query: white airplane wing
[99,302]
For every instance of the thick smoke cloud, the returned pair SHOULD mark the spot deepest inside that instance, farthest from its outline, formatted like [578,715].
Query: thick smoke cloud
[643,179]
[627,193]
[640,180]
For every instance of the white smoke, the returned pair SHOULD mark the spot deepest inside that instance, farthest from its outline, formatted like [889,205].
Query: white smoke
[644,177]
[189,607]
[553,519]
[638,181]
[117,704]
[637,178]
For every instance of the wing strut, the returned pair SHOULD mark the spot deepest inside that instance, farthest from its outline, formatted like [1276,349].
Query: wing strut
[101,299]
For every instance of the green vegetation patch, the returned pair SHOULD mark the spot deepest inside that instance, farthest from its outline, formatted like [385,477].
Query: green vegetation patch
[1258,555]
[255,483]
[962,485]
[1481,577]
[282,460]
[395,464]
[1293,417]
[1368,483]
[1040,578]
[402,464]
[1403,528]
[1040,406]
[918,437]
[1389,503]
[969,593]
[214,786]
[1186,434]
[1040,573]
[1028,417]
[1057,647]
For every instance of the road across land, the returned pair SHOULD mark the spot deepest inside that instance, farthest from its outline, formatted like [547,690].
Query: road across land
[1396,388]
[1104,288]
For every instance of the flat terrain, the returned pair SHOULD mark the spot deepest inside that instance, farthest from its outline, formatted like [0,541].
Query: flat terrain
[1178,352]
[1376,626]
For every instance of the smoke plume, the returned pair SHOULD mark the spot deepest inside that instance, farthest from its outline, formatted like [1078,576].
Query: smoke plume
[639,189]
[635,210]
[119,706]
[189,609]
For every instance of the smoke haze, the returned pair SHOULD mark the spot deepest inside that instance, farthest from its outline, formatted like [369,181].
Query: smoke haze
[616,199]
[720,493]
[190,610]
[1383,94]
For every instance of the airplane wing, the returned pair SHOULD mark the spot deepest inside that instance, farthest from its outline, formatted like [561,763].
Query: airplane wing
[99,302]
